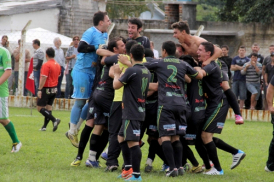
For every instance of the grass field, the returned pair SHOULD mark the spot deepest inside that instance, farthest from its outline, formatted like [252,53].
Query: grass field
[46,156]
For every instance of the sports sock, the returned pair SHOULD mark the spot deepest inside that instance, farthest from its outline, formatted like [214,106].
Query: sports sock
[137,156]
[200,147]
[190,156]
[152,149]
[76,110]
[94,140]
[169,154]
[178,151]
[47,114]
[46,122]
[102,143]
[212,153]
[126,155]
[11,130]
[232,100]
[84,140]
[224,146]
[161,154]
[72,128]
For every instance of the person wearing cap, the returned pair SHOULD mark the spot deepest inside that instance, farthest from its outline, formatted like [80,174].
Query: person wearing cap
[269,72]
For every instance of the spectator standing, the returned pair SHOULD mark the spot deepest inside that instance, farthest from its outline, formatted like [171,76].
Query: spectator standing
[253,71]
[226,58]
[269,72]
[16,55]
[38,58]
[71,60]
[239,83]
[60,59]
[155,52]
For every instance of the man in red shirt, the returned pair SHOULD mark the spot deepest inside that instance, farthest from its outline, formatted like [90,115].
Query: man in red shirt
[47,89]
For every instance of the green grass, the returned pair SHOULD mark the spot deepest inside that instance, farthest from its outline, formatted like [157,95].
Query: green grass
[46,156]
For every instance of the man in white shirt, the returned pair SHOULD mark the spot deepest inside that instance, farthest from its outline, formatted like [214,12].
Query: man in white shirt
[156,53]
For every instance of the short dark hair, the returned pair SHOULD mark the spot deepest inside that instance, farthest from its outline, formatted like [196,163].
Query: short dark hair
[242,47]
[271,45]
[170,47]
[255,44]
[179,45]
[254,54]
[208,47]
[50,52]
[123,39]
[76,36]
[129,44]
[181,25]
[113,43]
[137,52]
[225,46]
[136,21]
[36,41]
[149,53]
[99,16]
[5,36]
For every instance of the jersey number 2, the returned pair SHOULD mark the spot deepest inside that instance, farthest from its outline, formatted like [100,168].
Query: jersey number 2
[172,78]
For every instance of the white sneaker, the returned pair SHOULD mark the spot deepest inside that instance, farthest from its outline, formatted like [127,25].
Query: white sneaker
[16,147]
[237,159]
[267,170]
[214,171]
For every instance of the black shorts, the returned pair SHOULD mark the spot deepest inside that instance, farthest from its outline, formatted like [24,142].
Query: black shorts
[115,118]
[90,114]
[101,109]
[48,96]
[171,120]
[151,119]
[130,130]
[215,117]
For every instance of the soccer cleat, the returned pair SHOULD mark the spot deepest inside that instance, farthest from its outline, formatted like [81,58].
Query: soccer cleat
[181,171]
[197,169]
[213,171]
[104,156]
[237,158]
[16,147]
[111,168]
[43,129]
[187,167]
[238,119]
[76,163]
[164,167]
[55,124]
[133,178]
[126,174]
[267,170]
[211,164]
[172,173]
[73,139]
[148,168]
[94,164]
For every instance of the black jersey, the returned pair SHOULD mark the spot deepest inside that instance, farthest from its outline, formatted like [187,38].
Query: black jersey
[222,65]
[136,82]
[153,79]
[195,96]
[212,83]
[143,40]
[171,79]
[227,61]
[272,81]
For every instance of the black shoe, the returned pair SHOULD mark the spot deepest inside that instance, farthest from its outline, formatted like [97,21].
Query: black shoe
[181,171]
[55,124]
[111,168]
[172,173]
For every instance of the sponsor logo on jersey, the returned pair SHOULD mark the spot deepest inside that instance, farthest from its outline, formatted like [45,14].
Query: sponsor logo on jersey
[153,127]
[169,127]
[220,125]
[181,127]
[190,136]
[136,132]
[91,110]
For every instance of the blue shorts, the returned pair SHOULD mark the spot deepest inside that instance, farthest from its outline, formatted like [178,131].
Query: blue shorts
[254,88]
[82,83]
[239,89]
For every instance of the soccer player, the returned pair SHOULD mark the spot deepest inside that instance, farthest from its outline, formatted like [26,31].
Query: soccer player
[47,89]
[85,68]
[135,81]
[5,72]
[190,44]
[134,28]
[217,106]
[172,104]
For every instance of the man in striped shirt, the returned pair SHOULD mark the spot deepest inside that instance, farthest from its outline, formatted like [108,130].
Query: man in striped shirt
[253,71]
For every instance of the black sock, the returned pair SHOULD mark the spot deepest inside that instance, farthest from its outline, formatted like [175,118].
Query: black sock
[47,114]
[152,149]
[178,151]
[169,154]
[102,143]
[93,143]
[199,145]
[160,153]
[136,153]
[46,121]
[224,146]
[84,140]
[212,153]
[126,155]
[233,102]
[190,156]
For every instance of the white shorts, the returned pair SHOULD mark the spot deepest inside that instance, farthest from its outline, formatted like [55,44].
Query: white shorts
[4,108]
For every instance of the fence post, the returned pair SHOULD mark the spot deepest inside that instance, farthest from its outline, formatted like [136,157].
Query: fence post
[21,74]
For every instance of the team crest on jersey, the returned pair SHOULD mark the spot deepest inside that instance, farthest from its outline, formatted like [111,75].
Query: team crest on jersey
[82,89]
[181,127]
[136,132]
[169,127]
[220,125]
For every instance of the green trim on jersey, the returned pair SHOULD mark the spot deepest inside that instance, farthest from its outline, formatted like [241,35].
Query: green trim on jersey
[5,63]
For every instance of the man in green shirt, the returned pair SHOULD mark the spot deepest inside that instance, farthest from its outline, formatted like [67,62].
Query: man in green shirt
[5,72]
